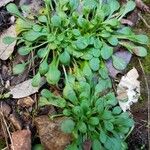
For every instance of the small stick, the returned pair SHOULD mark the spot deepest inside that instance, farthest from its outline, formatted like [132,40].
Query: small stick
[144,21]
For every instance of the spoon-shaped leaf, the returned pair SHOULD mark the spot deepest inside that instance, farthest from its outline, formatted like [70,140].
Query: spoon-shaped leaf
[129,6]
[114,5]
[119,63]
[36,80]
[140,51]
[12,8]
[19,68]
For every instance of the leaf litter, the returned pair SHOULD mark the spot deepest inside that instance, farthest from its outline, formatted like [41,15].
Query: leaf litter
[128,90]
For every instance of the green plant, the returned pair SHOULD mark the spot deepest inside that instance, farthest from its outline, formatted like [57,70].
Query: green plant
[90,113]
[77,37]
[72,31]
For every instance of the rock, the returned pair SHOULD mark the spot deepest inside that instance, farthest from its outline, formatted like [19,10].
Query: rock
[26,102]
[52,138]
[15,121]
[21,140]
[5,109]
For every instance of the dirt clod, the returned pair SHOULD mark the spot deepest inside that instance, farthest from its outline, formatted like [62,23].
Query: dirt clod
[50,135]
[21,140]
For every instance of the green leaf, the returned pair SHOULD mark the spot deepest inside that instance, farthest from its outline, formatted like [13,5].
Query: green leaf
[69,93]
[97,43]
[42,52]
[87,56]
[66,112]
[102,85]
[103,71]
[113,41]
[107,114]
[19,68]
[111,99]
[56,20]
[46,93]
[53,75]
[67,126]
[12,8]
[105,34]
[108,125]
[117,110]
[140,51]
[125,31]
[87,70]
[43,101]
[129,6]
[94,64]
[103,136]
[142,39]
[82,127]
[112,22]
[82,43]
[42,19]
[114,5]
[64,58]
[96,145]
[43,68]
[106,51]
[8,40]
[24,50]
[95,52]
[83,23]
[36,80]
[37,28]
[94,121]
[119,63]
[76,32]
[31,35]
[74,4]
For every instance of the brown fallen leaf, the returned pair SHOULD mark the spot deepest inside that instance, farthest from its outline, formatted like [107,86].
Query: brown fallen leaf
[21,140]
[24,89]
[7,50]
[26,102]
[52,138]
[4,2]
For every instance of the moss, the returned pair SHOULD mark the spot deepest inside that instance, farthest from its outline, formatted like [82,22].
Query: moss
[142,28]
[2,143]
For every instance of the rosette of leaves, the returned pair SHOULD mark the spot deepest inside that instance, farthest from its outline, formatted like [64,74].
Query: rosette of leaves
[92,113]
[73,31]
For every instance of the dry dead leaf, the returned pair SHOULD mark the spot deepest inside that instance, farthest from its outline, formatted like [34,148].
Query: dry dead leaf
[4,2]
[26,102]
[7,50]
[128,90]
[24,89]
